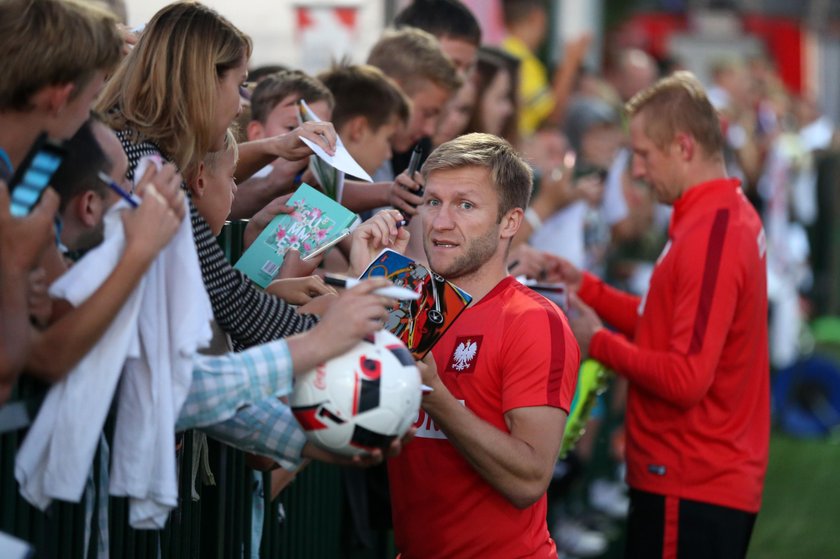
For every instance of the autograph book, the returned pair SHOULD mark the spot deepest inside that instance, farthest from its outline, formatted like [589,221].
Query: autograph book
[421,323]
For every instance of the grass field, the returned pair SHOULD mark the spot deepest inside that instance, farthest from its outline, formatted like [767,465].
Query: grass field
[800,517]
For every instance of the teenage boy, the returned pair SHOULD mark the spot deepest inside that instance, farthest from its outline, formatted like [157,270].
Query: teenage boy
[369,108]
[452,23]
[274,111]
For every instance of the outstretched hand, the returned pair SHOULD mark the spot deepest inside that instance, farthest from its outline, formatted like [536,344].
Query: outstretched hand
[262,218]
[584,323]
[371,237]
[290,146]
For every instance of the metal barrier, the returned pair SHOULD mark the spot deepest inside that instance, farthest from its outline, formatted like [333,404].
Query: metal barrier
[218,526]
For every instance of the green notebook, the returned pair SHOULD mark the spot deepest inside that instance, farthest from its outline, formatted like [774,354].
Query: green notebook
[317,220]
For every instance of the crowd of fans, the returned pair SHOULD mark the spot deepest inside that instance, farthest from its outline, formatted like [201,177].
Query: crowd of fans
[173,116]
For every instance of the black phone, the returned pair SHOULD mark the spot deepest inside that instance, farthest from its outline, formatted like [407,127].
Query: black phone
[34,174]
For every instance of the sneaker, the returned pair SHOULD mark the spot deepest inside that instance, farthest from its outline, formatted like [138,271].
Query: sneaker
[609,498]
[573,538]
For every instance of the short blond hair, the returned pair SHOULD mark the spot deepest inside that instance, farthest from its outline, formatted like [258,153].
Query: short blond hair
[53,42]
[211,160]
[413,58]
[165,89]
[511,175]
[680,104]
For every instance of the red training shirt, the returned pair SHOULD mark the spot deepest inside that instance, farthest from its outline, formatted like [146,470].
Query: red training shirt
[512,349]
[698,409]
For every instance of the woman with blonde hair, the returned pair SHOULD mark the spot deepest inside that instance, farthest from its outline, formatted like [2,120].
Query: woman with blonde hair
[174,96]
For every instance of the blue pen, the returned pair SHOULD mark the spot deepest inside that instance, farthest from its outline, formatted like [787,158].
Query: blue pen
[130,198]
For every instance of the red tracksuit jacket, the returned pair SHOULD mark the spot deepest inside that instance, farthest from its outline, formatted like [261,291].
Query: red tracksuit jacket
[698,416]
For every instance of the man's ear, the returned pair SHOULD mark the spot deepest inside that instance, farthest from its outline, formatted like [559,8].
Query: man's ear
[686,145]
[89,208]
[511,222]
[199,184]
[53,98]
[255,131]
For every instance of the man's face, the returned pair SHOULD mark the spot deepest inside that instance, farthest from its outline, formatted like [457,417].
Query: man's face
[91,234]
[77,109]
[462,53]
[283,117]
[658,167]
[426,106]
[461,230]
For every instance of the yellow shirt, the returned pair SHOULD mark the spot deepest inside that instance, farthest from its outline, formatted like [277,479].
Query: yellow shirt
[535,98]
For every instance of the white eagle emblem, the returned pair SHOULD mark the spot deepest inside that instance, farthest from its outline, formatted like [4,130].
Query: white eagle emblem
[464,354]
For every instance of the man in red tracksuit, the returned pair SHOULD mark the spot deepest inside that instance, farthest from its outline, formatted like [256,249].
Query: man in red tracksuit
[695,348]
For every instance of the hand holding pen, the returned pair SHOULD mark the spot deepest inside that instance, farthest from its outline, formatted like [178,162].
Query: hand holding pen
[384,230]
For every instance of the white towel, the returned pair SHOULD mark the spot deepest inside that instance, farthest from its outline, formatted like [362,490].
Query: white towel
[55,457]
[154,335]
[174,323]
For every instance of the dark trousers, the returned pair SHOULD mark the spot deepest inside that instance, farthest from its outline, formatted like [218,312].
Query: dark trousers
[660,527]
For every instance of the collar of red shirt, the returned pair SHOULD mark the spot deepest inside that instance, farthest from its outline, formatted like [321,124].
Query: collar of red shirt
[700,195]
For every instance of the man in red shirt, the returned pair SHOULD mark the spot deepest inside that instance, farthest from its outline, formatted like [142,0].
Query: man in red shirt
[695,347]
[473,482]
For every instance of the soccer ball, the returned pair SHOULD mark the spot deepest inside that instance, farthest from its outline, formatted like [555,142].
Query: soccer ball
[361,400]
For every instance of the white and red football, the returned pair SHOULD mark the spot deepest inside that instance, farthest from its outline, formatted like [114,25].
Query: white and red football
[361,400]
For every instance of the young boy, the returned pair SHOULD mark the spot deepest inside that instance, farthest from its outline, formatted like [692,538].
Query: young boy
[369,107]
[212,186]
[274,111]
[213,190]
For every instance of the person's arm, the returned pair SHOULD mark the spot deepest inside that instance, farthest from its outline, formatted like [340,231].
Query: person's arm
[618,308]
[539,373]
[400,194]
[256,154]
[148,229]
[698,328]
[22,243]
[255,193]
[517,464]
[224,384]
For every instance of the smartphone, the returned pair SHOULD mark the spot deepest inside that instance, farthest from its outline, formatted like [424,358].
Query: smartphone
[33,175]
[326,246]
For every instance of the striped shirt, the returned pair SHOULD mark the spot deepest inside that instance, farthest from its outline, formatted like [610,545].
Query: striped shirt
[249,315]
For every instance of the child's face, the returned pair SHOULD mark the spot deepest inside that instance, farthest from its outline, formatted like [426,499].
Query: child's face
[219,189]
[374,146]
[284,117]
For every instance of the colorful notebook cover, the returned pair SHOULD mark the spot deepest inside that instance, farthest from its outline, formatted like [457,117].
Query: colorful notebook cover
[316,220]
[421,323]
